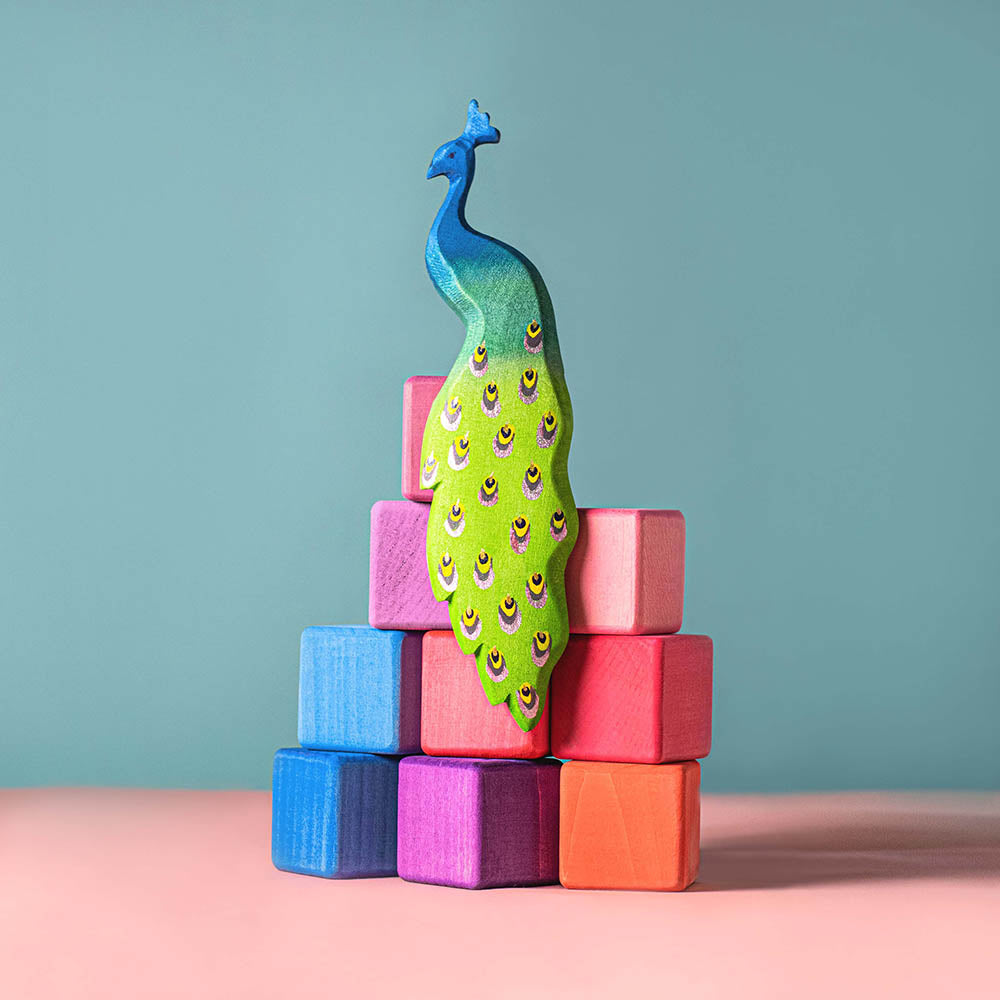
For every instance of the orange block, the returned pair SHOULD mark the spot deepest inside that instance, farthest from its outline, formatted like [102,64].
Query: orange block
[629,826]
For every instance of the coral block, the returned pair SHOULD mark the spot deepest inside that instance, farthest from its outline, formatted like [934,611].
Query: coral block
[626,573]
[457,719]
[629,826]
[643,699]
[478,824]
[399,588]
[624,577]
[359,689]
[334,814]
[419,393]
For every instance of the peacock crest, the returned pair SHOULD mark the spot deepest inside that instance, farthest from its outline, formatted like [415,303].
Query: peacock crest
[503,521]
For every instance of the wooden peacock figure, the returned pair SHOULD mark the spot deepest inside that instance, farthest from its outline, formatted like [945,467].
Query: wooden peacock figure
[503,521]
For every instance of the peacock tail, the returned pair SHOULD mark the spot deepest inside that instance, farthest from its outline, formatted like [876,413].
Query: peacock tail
[495,447]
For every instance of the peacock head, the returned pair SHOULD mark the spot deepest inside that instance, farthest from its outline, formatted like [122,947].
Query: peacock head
[457,158]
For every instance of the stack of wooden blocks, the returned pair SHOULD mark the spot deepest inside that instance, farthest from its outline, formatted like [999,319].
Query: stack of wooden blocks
[406,768]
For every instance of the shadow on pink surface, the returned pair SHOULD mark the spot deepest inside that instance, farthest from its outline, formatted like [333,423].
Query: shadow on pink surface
[781,842]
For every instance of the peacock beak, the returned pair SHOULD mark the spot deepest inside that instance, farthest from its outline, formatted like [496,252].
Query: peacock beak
[432,171]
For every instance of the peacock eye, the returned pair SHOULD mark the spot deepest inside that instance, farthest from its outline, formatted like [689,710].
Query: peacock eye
[451,156]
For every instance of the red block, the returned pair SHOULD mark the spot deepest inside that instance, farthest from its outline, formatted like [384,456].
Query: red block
[635,699]
[418,394]
[457,719]
[625,575]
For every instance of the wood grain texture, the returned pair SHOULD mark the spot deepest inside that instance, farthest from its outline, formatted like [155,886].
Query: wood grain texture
[399,589]
[478,824]
[626,574]
[624,577]
[359,689]
[633,699]
[457,719]
[629,826]
[419,392]
[334,814]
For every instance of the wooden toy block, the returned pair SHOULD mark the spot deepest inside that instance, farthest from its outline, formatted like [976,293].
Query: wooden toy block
[457,719]
[626,573]
[644,699]
[334,814]
[478,824]
[418,394]
[399,588]
[624,577]
[629,826]
[359,689]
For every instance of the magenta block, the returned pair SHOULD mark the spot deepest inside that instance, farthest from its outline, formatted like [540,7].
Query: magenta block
[478,824]
[399,588]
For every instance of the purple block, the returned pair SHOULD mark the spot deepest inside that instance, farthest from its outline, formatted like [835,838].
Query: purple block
[399,588]
[478,824]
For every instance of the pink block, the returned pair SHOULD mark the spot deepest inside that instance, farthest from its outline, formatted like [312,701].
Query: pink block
[633,699]
[399,588]
[625,576]
[457,719]
[419,393]
[626,573]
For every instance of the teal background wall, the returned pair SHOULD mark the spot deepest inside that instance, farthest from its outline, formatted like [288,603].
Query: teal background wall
[770,233]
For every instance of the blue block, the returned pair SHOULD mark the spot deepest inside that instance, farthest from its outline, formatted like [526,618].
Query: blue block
[359,689]
[334,814]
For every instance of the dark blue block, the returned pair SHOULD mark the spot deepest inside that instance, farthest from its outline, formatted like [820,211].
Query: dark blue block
[334,814]
[359,689]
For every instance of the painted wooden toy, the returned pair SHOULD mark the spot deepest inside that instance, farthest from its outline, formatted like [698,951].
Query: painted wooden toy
[457,720]
[359,689]
[334,814]
[643,699]
[478,824]
[629,826]
[502,521]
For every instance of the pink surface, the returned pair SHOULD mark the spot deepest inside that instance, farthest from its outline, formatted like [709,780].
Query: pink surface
[643,699]
[625,575]
[456,717]
[418,395]
[117,894]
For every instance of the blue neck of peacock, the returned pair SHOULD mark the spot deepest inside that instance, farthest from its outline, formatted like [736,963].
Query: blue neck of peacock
[450,227]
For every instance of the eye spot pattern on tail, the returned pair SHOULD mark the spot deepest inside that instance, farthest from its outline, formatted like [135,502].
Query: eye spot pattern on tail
[496,665]
[527,698]
[541,646]
[451,415]
[535,591]
[479,363]
[489,492]
[483,570]
[490,403]
[503,443]
[557,526]
[471,624]
[447,573]
[527,388]
[533,337]
[458,453]
[454,523]
[509,614]
[520,534]
[531,485]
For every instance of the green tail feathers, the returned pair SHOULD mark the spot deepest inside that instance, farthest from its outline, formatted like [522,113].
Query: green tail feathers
[502,521]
